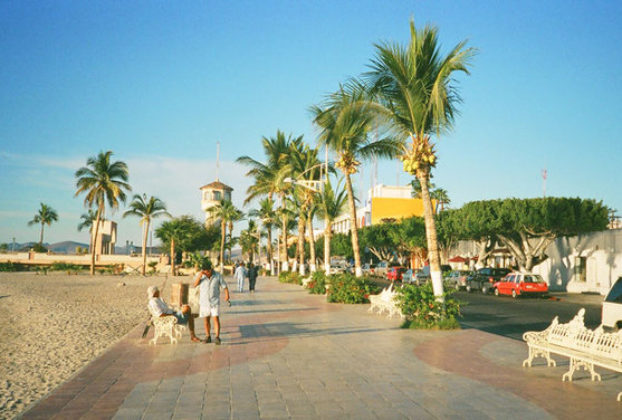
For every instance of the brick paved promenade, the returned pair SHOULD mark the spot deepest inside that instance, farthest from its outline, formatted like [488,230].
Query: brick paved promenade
[287,354]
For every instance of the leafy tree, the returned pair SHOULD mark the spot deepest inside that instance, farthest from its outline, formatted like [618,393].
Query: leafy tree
[226,212]
[46,215]
[414,90]
[147,210]
[345,120]
[4,247]
[341,245]
[379,240]
[528,226]
[103,182]
[408,237]
[185,234]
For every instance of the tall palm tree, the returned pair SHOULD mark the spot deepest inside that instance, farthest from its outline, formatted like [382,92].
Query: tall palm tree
[147,210]
[87,220]
[249,239]
[306,167]
[270,178]
[103,181]
[345,121]
[415,91]
[46,215]
[330,204]
[223,211]
[267,215]
[234,216]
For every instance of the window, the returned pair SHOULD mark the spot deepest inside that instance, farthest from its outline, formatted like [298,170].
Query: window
[615,295]
[216,195]
[579,269]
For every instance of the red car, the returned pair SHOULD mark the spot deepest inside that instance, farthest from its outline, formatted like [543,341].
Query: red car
[395,273]
[519,284]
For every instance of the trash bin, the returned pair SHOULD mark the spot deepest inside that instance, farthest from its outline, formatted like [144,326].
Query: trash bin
[179,294]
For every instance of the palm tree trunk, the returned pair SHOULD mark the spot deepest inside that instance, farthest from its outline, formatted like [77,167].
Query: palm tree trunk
[94,247]
[284,259]
[223,233]
[311,247]
[230,239]
[41,235]
[301,244]
[145,247]
[270,251]
[430,231]
[327,234]
[358,271]
[172,256]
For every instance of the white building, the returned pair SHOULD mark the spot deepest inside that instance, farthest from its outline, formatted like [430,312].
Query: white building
[212,194]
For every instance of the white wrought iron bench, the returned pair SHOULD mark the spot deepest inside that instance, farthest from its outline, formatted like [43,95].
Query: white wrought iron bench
[385,302]
[584,347]
[165,326]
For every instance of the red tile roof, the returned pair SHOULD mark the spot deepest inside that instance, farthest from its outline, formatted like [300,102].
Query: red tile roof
[217,185]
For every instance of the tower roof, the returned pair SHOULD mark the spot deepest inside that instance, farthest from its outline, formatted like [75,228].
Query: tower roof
[217,185]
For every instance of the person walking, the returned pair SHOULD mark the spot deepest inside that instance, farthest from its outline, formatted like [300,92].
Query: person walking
[210,283]
[252,276]
[240,274]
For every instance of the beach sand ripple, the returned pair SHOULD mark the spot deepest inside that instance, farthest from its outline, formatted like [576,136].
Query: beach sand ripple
[53,325]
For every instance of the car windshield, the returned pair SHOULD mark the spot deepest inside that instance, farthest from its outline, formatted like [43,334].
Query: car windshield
[615,295]
[533,279]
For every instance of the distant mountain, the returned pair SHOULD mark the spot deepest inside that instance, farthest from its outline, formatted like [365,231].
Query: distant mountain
[66,247]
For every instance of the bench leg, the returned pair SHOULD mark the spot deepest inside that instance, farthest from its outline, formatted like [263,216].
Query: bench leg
[580,364]
[533,353]
[619,397]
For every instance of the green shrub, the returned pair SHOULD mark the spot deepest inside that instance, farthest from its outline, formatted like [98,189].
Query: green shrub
[346,288]
[423,311]
[11,266]
[290,277]
[60,266]
[317,285]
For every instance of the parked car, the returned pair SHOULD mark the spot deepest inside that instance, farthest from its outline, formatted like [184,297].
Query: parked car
[369,269]
[423,275]
[395,273]
[408,276]
[381,269]
[484,278]
[521,284]
[457,278]
[612,306]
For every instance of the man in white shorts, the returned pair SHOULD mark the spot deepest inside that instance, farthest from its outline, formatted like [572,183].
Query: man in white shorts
[210,283]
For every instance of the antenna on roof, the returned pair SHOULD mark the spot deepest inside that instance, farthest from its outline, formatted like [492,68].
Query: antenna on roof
[544,176]
[217,160]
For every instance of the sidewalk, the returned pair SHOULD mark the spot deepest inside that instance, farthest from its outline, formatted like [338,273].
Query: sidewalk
[288,354]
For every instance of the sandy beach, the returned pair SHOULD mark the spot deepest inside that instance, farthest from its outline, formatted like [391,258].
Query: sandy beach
[52,325]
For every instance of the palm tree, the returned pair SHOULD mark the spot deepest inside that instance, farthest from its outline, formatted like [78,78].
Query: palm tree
[441,196]
[345,123]
[249,239]
[46,215]
[103,182]
[235,216]
[174,232]
[270,178]
[87,220]
[147,210]
[330,204]
[224,211]
[414,89]
[267,215]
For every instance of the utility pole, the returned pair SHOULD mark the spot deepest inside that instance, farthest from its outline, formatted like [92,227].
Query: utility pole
[613,218]
[544,175]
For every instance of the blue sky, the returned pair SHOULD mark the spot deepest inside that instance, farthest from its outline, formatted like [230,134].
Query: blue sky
[159,83]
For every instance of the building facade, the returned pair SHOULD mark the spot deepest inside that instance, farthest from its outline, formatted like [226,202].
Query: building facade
[211,195]
[106,237]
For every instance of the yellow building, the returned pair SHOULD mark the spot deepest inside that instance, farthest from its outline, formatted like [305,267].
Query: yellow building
[384,203]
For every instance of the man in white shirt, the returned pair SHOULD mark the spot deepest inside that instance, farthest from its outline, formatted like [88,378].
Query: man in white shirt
[240,274]
[158,308]
[210,282]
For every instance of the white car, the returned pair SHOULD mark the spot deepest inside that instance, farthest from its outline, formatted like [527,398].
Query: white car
[612,306]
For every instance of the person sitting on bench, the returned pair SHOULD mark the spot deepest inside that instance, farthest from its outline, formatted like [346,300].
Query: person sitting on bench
[159,308]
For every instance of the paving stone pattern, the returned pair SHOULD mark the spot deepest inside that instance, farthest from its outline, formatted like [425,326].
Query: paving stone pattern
[289,355]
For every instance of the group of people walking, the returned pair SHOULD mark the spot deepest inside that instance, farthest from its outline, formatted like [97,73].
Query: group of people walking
[210,283]
[241,273]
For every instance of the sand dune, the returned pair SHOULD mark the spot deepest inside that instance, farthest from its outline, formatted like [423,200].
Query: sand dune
[53,325]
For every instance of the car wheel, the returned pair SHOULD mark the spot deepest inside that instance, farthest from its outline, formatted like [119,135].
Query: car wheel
[514,294]
[496,292]
[468,288]
[484,290]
